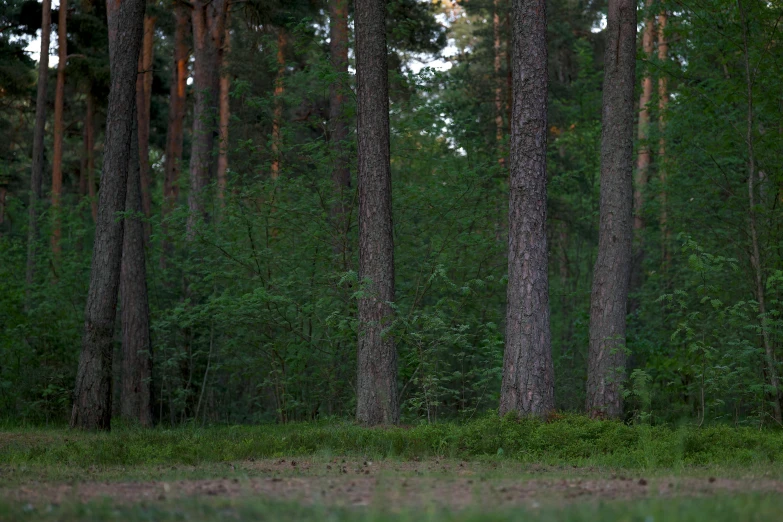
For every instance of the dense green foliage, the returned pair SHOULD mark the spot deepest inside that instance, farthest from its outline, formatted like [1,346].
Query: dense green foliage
[266,330]
[570,441]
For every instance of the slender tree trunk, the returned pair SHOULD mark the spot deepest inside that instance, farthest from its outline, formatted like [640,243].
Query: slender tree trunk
[176,124]
[498,80]
[59,127]
[528,373]
[208,21]
[341,173]
[225,113]
[3,194]
[376,401]
[663,102]
[135,398]
[756,261]
[38,163]
[92,394]
[89,137]
[645,156]
[278,113]
[611,274]
[143,95]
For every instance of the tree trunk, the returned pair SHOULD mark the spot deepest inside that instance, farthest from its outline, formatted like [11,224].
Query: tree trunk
[756,262]
[59,127]
[143,95]
[341,173]
[278,112]
[89,137]
[208,21]
[36,173]
[611,274]
[376,401]
[643,160]
[225,113]
[498,80]
[174,135]
[528,374]
[663,102]
[135,398]
[92,394]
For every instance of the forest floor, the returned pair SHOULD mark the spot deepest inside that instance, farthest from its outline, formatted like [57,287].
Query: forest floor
[342,472]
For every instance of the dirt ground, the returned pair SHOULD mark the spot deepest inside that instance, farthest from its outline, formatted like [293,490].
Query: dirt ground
[391,485]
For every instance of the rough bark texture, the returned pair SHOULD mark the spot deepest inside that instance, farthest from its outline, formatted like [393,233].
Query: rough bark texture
[174,136]
[528,374]
[376,393]
[208,30]
[59,126]
[756,261]
[341,173]
[663,102]
[135,397]
[36,173]
[92,394]
[611,274]
[278,113]
[225,113]
[143,99]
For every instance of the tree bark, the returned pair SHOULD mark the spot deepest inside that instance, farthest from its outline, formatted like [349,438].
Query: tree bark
[225,113]
[38,163]
[208,30]
[645,155]
[89,137]
[341,172]
[756,262]
[135,398]
[528,374]
[59,127]
[177,95]
[498,80]
[611,274]
[143,95]
[278,111]
[663,102]
[377,400]
[92,393]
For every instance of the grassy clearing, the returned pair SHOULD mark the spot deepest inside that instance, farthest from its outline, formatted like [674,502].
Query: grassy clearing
[569,441]
[747,508]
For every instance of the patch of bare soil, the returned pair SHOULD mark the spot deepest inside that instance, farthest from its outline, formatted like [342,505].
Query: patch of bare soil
[394,485]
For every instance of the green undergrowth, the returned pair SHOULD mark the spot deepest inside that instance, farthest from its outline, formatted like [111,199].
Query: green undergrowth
[747,508]
[570,440]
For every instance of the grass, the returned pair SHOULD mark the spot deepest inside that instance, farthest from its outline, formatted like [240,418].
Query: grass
[746,508]
[568,441]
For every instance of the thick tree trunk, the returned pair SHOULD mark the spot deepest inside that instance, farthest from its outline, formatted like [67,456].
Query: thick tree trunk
[225,113]
[376,401]
[663,102]
[59,126]
[756,262]
[341,172]
[36,173]
[92,394]
[528,373]
[177,95]
[611,274]
[278,111]
[135,397]
[208,21]
[498,79]
[143,95]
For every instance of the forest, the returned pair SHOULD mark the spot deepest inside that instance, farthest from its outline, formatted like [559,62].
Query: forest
[527,241]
